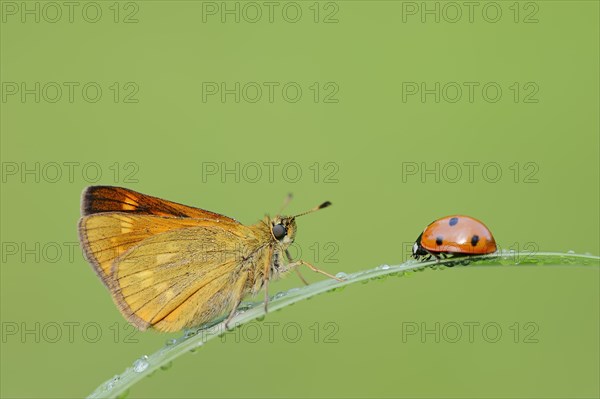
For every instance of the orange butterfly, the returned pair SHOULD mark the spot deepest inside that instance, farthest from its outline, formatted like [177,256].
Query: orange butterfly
[170,266]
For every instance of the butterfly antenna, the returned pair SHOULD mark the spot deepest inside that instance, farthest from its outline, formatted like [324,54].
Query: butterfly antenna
[286,202]
[316,208]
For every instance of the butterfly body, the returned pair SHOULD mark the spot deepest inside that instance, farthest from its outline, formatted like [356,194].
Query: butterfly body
[169,266]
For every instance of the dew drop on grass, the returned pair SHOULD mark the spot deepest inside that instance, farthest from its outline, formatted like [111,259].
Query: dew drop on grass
[342,275]
[171,341]
[189,333]
[383,267]
[113,381]
[280,294]
[199,345]
[570,251]
[151,374]
[141,364]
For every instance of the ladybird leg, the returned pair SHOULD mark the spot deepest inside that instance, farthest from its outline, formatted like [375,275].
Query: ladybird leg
[430,255]
[427,258]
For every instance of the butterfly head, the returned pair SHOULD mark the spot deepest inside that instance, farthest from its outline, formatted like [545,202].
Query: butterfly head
[283,229]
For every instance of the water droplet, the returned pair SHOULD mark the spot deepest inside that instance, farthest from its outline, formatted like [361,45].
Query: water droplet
[199,344]
[570,251]
[141,364]
[260,318]
[113,381]
[383,267]
[280,294]
[189,333]
[342,275]
[171,341]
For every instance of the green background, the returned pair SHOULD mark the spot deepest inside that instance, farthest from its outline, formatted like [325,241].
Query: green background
[161,144]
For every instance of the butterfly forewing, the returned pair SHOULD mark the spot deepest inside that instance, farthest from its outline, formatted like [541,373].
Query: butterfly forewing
[98,199]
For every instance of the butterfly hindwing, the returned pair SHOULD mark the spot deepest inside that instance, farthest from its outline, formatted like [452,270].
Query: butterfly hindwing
[181,278]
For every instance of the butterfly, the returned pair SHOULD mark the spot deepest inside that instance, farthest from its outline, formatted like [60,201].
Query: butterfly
[170,266]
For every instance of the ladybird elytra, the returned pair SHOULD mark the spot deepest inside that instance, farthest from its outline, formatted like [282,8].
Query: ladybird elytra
[455,235]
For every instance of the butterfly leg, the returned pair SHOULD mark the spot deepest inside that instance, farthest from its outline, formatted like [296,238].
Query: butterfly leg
[237,299]
[267,277]
[313,268]
[290,260]
[301,278]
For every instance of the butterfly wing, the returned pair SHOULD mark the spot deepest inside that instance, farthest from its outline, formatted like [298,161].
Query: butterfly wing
[185,277]
[167,265]
[116,219]
[98,199]
[106,236]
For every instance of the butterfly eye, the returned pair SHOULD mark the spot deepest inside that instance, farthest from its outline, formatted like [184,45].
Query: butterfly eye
[279,231]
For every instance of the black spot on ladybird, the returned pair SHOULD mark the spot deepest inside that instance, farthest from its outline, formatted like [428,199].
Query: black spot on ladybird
[439,240]
[453,221]
[474,240]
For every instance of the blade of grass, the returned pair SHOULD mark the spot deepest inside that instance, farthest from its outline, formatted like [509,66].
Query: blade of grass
[119,385]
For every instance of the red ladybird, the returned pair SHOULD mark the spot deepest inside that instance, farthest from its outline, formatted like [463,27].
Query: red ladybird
[454,235]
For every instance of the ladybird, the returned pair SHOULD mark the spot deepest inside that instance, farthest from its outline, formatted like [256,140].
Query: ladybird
[454,235]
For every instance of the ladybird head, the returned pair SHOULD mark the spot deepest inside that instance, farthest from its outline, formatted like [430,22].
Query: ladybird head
[417,248]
